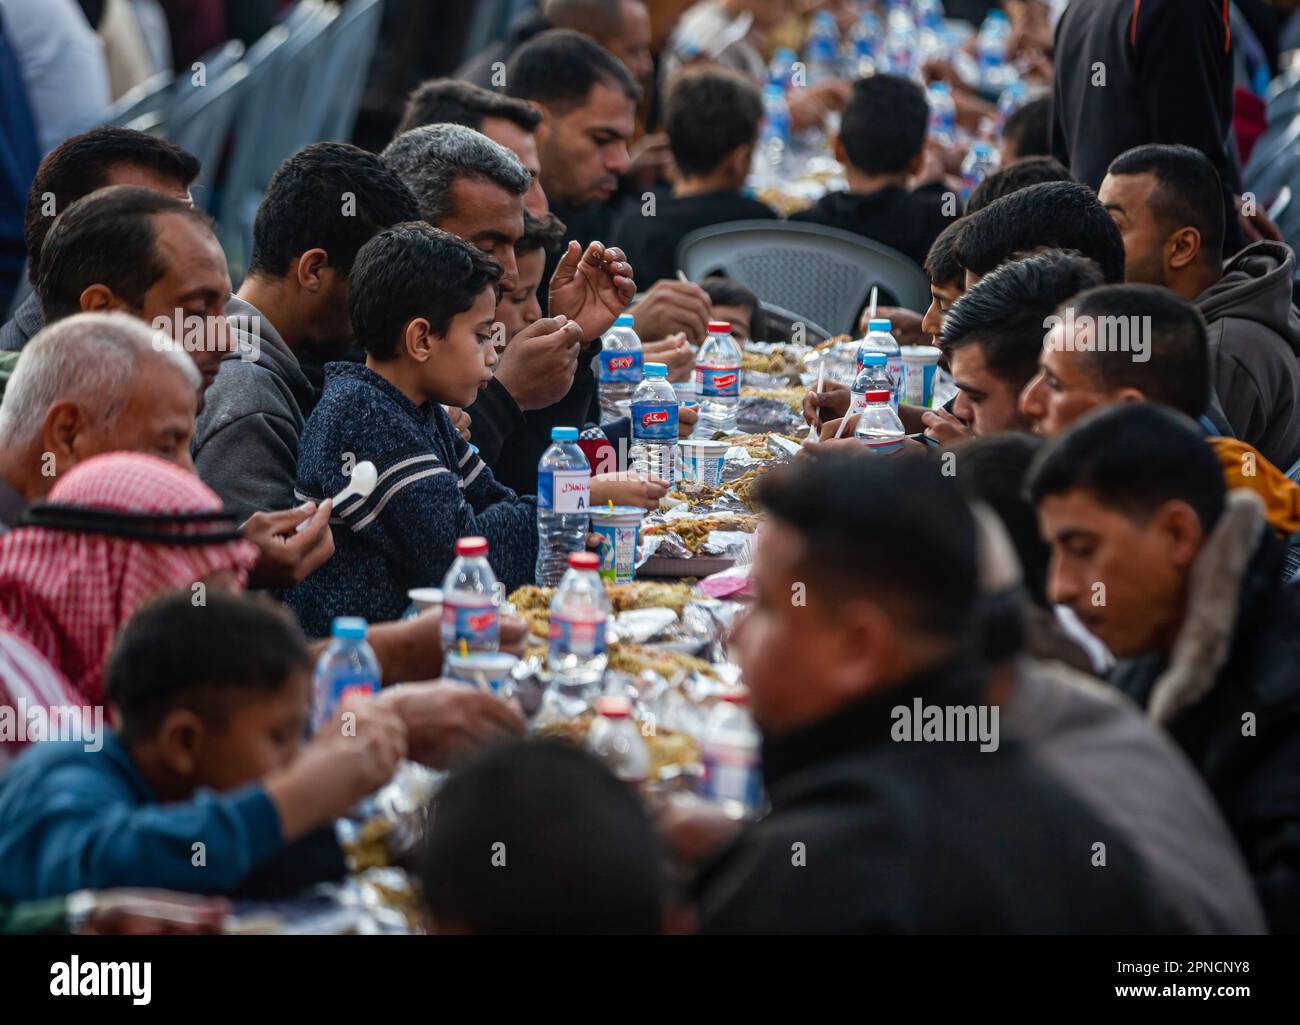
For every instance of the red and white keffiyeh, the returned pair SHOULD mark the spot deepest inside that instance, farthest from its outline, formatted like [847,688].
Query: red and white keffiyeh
[68,592]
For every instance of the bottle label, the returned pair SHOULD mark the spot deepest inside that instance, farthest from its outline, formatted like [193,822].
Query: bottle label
[731,774]
[478,625]
[890,446]
[654,421]
[714,382]
[564,491]
[620,367]
[573,636]
[336,688]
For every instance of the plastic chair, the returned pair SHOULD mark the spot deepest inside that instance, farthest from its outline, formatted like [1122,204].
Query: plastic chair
[355,33]
[1273,161]
[821,273]
[201,124]
[153,94]
[215,64]
[781,324]
[301,67]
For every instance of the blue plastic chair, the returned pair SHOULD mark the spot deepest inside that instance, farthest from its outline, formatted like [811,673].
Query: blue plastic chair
[821,273]
[153,94]
[215,64]
[201,124]
[355,35]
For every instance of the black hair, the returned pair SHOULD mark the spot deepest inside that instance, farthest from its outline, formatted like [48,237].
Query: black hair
[992,470]
[708,114]
[106,238]
[545,233]
[536,837]
[81,164]
[1006,313]
[414,270]
[1177,369]
[1134,458]
[941,264]
[1188,191]
[450,100]
[726,292]
[855,543]
[1013,177]
[175,654]
[1029,129]
[884,123]
[1057,215]
[330,196]
[560,67]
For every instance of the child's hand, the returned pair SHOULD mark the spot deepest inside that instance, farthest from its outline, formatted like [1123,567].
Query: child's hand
[627,489]
[447,721]
[459,420]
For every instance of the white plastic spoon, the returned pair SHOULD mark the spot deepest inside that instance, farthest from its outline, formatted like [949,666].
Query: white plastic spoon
[362,482]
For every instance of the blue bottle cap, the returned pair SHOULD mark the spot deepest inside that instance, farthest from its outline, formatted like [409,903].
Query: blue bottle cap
[623,320]
[655,370]
[880,325]
[564,434]
[352,628]
[874,359]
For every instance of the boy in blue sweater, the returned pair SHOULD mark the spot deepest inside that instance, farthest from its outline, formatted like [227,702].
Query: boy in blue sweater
[206,778]
[423,304]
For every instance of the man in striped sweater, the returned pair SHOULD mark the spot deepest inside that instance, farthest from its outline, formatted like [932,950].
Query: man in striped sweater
[422,303]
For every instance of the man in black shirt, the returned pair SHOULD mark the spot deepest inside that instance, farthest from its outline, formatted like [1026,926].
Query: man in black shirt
[712,117]
[882,145]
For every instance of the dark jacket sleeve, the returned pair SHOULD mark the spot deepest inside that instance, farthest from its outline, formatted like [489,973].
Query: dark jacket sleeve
[494,418]
[251,462]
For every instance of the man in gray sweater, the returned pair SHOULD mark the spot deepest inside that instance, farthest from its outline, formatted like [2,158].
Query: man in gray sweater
[321,206]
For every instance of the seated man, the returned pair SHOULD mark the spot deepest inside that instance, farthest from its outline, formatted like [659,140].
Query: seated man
[712,119]
[596,868]
[1181,581]
[521,307]
[423,303]
[1050,215]
[882,145]
[206,777]
[1027,132]
[1168,204]
[861,836]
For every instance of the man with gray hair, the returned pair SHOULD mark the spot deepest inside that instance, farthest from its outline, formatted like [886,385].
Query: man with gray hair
[472,187]
[106,382]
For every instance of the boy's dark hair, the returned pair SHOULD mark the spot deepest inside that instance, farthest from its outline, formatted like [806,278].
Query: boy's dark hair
[992,470]
[1005,312]
[941,264]
[1133,458]
[451,100]
[1188,192]
[304,207]
[545,233]
[1020,175]
[559,68]
[581,856]
[1177,372]
[175,654]
[107,238]
[1028,130]
[725,292]
[80,165]
[708,114]
[856,544]
[414,270]
[1057,215]
[884,123]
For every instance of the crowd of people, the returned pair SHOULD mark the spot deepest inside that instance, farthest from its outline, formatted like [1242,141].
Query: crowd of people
[1098,542]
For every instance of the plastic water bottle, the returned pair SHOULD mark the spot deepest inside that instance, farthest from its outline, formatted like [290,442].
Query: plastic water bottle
[873,375]
[717,381]
[979,163]
[563,504]
[576,656]
[615,739]
[879,427]
[729,754]
[347,666]
[471,604]
[900,41]
[822,47]
[991,47]
[654,424]
[1012,99]
[781,70]
[774,138]
[943,113]
[620,367]
[879,339]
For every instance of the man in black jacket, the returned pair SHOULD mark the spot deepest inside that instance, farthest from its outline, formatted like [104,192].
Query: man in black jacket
[897,804]
[1183,582]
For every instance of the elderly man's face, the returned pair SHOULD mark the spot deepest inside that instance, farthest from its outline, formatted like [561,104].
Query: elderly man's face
[522,144]
[490,217]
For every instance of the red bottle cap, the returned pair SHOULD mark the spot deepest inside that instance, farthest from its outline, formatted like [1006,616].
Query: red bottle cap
[472,546]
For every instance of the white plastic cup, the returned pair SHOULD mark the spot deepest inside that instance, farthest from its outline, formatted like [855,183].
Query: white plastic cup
[920,363]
